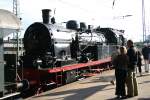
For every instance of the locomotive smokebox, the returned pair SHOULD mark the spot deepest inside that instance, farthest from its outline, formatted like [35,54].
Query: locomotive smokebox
[46,15]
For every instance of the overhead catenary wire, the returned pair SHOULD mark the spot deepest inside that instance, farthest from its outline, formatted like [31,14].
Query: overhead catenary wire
[82,7]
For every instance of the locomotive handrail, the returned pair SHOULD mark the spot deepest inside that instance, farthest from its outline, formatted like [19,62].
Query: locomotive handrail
[80,65]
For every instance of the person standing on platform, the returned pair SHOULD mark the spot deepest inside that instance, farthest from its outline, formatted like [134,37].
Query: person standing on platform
[146,53]
[139,63]
[121,65]
[113,56]
[132,86]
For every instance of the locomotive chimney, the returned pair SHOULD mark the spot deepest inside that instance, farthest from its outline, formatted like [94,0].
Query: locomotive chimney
[45,15]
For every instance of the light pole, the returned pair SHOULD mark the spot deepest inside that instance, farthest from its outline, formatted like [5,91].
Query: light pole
[143,21]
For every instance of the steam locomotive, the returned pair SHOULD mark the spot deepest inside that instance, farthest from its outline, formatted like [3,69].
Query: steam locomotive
[48,46]
[51,46]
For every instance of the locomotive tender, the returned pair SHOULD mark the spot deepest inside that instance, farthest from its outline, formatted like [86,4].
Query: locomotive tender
[48,45]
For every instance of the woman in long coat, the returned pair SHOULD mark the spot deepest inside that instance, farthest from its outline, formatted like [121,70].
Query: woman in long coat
[121,64]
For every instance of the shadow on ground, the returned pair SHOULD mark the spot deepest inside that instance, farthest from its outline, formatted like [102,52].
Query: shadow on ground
[74,93]
[143,99]
[100,79]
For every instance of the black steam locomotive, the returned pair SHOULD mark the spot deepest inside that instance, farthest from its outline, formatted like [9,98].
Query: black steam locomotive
[51,49]
[48,45]
[56,54]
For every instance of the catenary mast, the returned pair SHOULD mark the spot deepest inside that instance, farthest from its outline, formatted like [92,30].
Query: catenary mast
[16,11]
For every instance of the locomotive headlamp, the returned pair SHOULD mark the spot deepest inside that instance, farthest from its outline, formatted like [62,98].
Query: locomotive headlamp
[39,63]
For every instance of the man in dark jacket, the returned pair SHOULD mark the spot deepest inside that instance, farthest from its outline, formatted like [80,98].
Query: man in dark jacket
[132,88]
[145,52]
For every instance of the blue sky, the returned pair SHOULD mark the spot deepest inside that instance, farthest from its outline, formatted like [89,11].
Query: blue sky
[96,12]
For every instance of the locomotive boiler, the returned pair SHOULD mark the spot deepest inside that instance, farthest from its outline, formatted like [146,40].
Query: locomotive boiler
[49,45]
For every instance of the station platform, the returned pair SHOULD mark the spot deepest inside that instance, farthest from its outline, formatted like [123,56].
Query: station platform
[95,88]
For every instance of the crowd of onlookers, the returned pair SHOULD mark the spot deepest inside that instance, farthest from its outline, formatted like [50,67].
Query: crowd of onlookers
[126,60]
